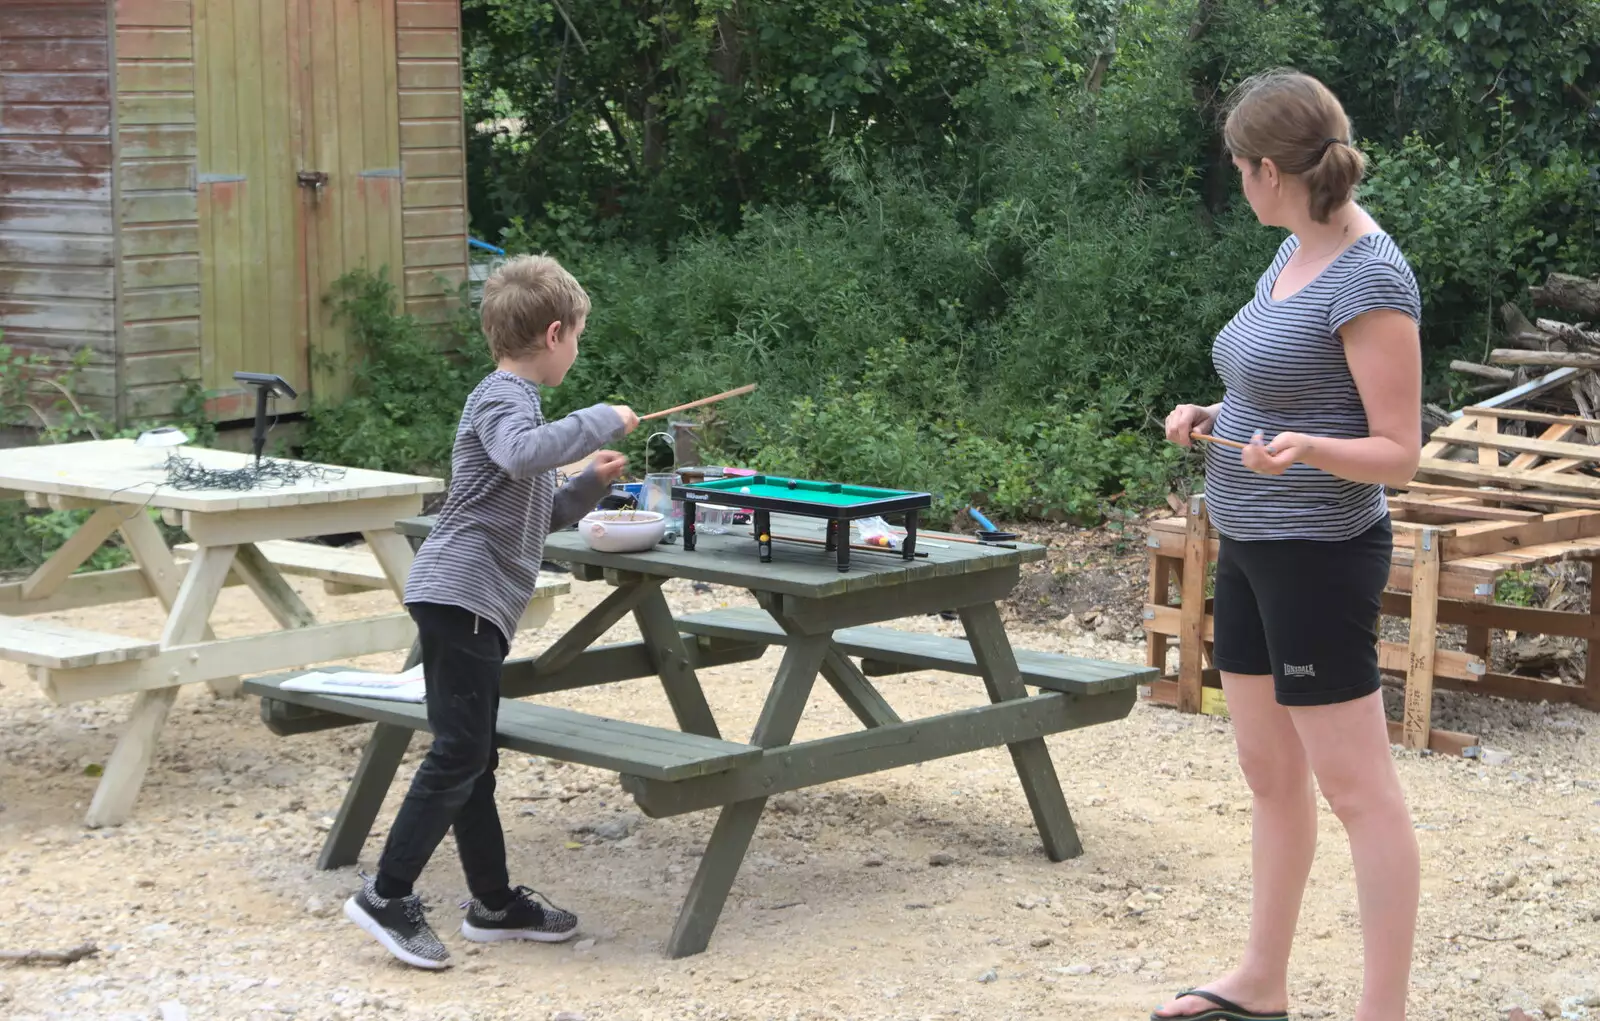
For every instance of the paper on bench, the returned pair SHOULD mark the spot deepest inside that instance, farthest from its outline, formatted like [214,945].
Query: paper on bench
[402,687]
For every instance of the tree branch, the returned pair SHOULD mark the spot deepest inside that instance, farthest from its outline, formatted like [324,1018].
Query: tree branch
[62,957]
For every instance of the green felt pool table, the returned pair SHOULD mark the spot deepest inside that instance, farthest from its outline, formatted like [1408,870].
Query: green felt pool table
[837,503]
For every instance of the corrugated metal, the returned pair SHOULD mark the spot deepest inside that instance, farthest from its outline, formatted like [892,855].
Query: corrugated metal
[56,236]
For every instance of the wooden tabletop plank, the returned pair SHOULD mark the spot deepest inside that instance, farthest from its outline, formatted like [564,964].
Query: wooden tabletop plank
[797,570]
[118,471]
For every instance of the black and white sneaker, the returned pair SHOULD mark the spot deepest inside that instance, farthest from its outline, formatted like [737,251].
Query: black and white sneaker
[399,924]
[523,918]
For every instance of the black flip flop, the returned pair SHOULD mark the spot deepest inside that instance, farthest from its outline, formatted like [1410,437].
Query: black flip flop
[1225,1010]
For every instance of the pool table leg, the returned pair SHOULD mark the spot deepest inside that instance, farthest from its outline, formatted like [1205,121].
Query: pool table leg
[908,549]
[763,522]
[688,525]
[841,542]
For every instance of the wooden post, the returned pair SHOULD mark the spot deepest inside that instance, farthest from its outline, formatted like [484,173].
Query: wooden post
[1488,455]
[1424,639]
[1159,593]
[1192,615]
[1591,670]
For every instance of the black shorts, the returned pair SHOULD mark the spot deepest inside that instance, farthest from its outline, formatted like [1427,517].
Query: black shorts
[1306,612]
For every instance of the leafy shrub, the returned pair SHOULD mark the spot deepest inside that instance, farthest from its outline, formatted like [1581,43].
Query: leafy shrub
[407,383]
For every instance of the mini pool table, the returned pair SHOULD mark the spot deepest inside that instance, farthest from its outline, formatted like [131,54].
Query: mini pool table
[836,503]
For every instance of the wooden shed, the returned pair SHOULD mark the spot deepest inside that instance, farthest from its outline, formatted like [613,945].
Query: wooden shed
[182,180]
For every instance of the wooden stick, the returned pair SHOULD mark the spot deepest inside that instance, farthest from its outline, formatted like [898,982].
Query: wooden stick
[1529,416]
[49,956]
[1219,441]
[701,402]
[1566,359]
[854,545]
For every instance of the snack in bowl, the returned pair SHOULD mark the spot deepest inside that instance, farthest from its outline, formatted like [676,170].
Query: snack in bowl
[622,531]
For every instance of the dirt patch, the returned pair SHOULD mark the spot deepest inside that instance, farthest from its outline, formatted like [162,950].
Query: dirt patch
[1097,575]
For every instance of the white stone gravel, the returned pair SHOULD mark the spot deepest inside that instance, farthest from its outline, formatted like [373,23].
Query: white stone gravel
[921,893]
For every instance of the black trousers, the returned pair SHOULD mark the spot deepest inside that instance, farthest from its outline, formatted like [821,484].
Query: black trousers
[461,659]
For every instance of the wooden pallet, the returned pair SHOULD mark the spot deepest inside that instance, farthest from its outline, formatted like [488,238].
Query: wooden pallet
[1451,548]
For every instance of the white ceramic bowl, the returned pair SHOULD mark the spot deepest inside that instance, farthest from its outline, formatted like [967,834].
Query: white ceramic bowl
[622,531]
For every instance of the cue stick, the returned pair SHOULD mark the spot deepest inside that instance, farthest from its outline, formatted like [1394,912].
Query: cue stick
[1219,441]
[699,403]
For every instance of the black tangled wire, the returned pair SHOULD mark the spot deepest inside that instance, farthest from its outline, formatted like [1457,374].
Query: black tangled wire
[185,473]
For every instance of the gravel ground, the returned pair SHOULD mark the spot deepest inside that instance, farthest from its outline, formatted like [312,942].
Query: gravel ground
[919,893]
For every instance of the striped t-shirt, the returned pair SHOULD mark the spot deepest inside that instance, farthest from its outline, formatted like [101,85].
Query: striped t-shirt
[1284,367]
[487,543]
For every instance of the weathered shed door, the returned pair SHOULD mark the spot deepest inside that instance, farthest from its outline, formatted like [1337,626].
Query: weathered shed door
[299,179]
[253,308]
[351,113]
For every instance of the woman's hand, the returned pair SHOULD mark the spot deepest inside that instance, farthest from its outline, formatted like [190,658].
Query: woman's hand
[1276,457]
[1186,419]
[609,465]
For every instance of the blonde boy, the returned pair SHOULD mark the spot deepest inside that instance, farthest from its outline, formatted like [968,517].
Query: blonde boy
[468,587]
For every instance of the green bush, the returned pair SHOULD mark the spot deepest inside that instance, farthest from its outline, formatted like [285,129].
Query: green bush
[407,383]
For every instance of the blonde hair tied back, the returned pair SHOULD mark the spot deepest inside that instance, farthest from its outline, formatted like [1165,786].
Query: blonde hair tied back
[1296,121]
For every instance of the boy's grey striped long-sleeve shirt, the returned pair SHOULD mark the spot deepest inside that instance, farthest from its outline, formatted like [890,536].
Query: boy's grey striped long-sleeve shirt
[487,543]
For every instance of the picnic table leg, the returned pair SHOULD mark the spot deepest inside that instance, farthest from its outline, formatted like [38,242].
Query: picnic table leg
[736,824]
[136,748]
[992,650]
[672,663]
[269,585]
[379,762]
[852,686]
[164,575]
[80,546]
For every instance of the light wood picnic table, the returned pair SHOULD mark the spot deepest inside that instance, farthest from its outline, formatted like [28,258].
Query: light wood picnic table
[817,614]
[122,483]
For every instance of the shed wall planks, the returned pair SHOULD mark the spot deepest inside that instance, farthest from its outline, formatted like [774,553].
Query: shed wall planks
[149,213]
[158,205]
[433,154]
[56,265]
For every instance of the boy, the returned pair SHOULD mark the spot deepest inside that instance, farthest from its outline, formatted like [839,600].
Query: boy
[469,585]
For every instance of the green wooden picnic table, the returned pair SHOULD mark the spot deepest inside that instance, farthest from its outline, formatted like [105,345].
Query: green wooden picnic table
[820,617]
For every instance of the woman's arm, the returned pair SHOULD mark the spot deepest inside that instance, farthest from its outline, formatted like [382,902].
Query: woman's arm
[1384,351]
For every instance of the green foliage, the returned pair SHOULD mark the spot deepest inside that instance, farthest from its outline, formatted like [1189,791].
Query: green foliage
[1478,233]
[407,382]
[976,248]
[1518,588]
[1472,76]
[661,114]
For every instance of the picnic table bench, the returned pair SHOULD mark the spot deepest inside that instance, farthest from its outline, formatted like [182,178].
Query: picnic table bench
[821,618]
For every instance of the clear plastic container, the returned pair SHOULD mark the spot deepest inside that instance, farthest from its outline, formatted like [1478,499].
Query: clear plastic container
[712,519]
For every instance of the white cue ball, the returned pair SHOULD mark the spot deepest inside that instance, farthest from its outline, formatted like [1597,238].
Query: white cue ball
[744,489]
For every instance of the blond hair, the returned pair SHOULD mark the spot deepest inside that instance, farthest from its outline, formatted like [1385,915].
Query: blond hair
[1295,121]
[522,298]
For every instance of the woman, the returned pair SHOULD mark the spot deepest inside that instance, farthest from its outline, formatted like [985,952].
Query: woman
[1323,377]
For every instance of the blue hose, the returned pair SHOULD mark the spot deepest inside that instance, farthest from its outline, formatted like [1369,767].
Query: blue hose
[475,243]
[983,522]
